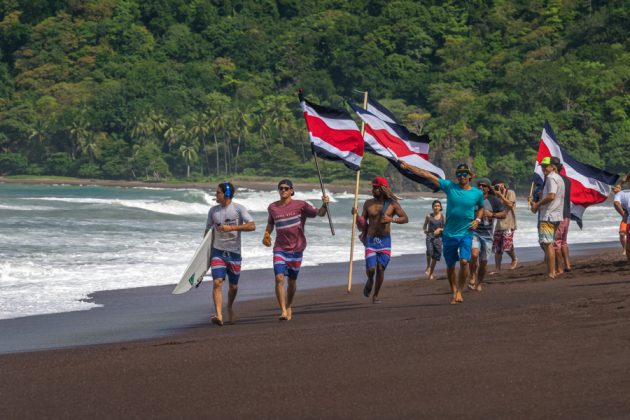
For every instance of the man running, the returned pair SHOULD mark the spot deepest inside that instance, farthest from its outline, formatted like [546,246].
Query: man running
[503,240]
[375,224]
[622,205]
[227,220]
[549,210]
[560,244]
[482,238]
[288,216]
[464,210]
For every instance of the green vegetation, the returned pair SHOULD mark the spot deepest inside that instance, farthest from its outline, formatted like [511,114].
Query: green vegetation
[163,89]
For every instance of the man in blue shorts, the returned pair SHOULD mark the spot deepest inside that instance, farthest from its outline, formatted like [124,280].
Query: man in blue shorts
[374,223]
[227,220]
[464,210]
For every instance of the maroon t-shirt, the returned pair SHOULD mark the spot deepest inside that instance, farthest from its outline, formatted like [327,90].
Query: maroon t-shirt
[289,223]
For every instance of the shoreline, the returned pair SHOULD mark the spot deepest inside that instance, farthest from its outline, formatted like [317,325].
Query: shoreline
[523,348]
[152,312]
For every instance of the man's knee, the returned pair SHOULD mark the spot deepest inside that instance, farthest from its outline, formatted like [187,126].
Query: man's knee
[463,263]
[280,279]
[218,283]
[233,287]
[370,271]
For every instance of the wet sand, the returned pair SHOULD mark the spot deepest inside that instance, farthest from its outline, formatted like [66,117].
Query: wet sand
[523,348]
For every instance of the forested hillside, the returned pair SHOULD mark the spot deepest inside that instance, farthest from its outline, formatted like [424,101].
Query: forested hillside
[132,89]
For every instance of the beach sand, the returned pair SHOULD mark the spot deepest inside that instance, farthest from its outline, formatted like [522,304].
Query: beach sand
[523,348]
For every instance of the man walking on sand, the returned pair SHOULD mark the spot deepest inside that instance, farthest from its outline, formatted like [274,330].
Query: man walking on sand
[549,210]
[622,205]
[288,216]
[503,238]
[482,238]
[227,220]
[560,244]
[464,210]
[375,223]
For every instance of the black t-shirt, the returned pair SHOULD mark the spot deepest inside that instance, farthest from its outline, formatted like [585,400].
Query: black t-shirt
[566,211]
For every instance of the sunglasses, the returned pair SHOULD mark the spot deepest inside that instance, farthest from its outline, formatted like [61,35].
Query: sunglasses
[460,174]
[483,185]
[284,188]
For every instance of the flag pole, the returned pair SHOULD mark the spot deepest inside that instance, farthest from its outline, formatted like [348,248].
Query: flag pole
[321,184]
[356,203]
[529,197]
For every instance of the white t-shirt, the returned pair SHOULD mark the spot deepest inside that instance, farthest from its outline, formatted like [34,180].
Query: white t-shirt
[552,212]
[623,197]
[232,214]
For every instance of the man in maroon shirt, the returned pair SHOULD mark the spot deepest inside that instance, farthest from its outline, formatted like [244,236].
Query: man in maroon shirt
[288,216]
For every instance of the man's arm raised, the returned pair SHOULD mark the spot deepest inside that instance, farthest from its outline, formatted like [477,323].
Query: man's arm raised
[420,172]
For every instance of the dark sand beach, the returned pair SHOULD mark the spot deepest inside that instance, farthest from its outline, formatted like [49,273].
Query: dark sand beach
[522,348]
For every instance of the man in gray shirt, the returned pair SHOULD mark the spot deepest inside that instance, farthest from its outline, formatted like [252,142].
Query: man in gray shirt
[550,211]
[226,220]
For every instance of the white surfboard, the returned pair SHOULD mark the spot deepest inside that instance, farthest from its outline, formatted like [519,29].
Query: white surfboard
[196,268]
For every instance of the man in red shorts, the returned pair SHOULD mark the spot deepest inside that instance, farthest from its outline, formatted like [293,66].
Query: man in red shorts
[560,245]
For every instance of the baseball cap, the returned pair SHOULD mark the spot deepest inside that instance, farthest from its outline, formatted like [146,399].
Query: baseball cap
[286,182]
[484,181]
[379,181]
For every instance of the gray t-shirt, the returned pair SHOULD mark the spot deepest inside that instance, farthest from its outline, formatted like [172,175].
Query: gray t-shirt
[552,212]
[232,214]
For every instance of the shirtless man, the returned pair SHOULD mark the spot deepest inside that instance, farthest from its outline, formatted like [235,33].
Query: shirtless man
[464,210]
[622,205]
[375,221]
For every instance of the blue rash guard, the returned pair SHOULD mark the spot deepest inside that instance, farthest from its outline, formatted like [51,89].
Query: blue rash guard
[461,206]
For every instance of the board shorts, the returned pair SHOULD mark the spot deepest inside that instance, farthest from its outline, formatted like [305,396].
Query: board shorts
[434,247]
[225,262]
[287,263]
[547,232]
[483,244]
[456,248]
[378,250]
[561,234]
[503,241]
[623,227]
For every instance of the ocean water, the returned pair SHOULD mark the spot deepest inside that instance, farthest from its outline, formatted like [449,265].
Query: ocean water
[60,243]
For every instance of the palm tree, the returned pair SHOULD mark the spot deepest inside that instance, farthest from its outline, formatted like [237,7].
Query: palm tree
[199,128]
[241,122]
[79,131]
[189,153]
[217,124]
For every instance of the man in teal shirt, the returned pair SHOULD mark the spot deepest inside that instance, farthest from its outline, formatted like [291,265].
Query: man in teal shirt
[464,209]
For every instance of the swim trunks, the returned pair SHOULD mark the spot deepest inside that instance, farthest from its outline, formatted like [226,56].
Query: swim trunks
[503,241]
[456,248]
[547,232]
[434,247]
[561,234]
[225,262]
[378,250]
[287,263]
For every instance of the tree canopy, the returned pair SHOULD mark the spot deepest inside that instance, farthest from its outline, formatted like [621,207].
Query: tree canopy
[196,88]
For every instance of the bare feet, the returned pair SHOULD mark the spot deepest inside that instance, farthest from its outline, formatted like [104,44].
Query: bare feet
[432,277]
[479,287]
[472,285]
[289,314]
[514,264]
[216,321]
[454,301]
[283,316]
[231,315]
[376,300]
[427,270]
[459,298]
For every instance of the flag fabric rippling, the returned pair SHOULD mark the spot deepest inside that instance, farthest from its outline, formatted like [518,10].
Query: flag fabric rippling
[589,185]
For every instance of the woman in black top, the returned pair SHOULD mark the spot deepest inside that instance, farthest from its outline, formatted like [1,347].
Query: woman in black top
[433,226]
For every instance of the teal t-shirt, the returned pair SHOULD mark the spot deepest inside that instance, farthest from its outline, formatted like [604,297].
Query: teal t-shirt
[461,206]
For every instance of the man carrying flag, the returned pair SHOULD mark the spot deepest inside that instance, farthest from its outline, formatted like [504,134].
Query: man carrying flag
[622,205]
[464,210]
[549,210]
[589,185]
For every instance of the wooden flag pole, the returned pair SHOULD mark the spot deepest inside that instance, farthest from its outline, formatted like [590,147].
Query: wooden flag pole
[356,203]
[529,197]
[321,183]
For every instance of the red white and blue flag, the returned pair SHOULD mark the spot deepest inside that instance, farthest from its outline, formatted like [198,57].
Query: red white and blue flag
[333,134]
[589,185]
[392,141]
[419,144]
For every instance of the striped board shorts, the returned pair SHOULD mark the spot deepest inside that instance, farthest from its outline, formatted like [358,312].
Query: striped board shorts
[225,262]
[287,263]
[378,250]
[547,232]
